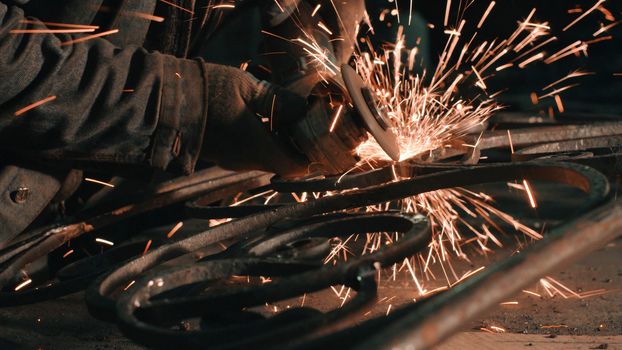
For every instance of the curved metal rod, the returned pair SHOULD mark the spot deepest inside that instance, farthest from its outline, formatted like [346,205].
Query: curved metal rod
[74,277]
[56,237]
[432,321]
[297,277]
[99,296]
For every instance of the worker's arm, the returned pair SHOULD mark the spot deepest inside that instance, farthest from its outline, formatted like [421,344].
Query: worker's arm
[111,104]
[123,105]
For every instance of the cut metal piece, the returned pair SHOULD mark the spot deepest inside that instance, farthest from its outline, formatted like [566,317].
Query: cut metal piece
[373,117]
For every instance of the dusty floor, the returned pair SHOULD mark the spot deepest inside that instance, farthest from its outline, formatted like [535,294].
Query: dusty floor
[65,323]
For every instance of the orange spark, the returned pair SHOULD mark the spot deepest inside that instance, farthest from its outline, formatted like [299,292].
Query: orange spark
[129,285]
[224,6]
[68,253]
[511,144]
[178,7]
[530,60]
[23,284]
[279,5]
[447,9]
[315,10]
[606,28]
[98,182]
[89,37]
[335,118]
[56,24]
[52,31]
[34,105]
[584,15]
[324,28]
[532,293]
[481,22]
[104,241]
[147,246]
[532,201]
[174,229]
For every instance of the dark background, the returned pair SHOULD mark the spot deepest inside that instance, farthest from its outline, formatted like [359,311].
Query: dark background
[599,94]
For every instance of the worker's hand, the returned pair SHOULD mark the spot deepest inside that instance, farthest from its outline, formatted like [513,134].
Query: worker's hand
[247,121]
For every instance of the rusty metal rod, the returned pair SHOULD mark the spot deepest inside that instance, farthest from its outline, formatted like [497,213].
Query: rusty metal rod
[441,316]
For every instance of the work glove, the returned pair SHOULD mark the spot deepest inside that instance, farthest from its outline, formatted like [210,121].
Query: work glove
[247,123]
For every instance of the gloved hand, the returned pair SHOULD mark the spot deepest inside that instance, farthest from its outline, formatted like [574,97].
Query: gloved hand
[237,138]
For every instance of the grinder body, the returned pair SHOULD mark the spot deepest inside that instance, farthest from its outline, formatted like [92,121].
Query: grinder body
[308,50]
[329,150]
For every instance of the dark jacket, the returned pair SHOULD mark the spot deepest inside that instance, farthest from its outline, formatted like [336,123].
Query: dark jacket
[116,102]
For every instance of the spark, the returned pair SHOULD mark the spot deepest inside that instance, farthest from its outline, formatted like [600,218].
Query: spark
[51,31]
[554,326]
[510,139]
[324,28]
[142,15]
[509,303]
[147,246]
[447,9]
[532,59]
[174,230]
[550,280]
[574,74]
[251,198]
[128,13]
[279,5]
[479,78]
[177,6]
[56,24]
[488,10]
[224,6]
[316,9]
[532,201]
[34,105]
[104,241]
[497,329]
[345,298]
[23,284]
[68,253]
[560,105]
[557,91]
[505,66]
[605,28]
[597,40]
[129,285]
[532,293]
[598,3]
[89,37]
[88,179]
[335,118]
[272,111]
[574,48]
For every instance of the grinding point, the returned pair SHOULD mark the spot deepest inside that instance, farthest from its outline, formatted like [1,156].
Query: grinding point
[374,119]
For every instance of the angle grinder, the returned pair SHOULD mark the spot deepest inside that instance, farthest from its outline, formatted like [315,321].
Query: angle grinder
[343,111]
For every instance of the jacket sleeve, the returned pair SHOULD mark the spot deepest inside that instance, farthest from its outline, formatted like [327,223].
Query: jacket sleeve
[96,102]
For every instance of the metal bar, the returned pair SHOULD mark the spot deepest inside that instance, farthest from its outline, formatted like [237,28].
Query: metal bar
[435,320]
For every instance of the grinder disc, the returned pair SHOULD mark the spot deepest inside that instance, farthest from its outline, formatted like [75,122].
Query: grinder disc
[374,119]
